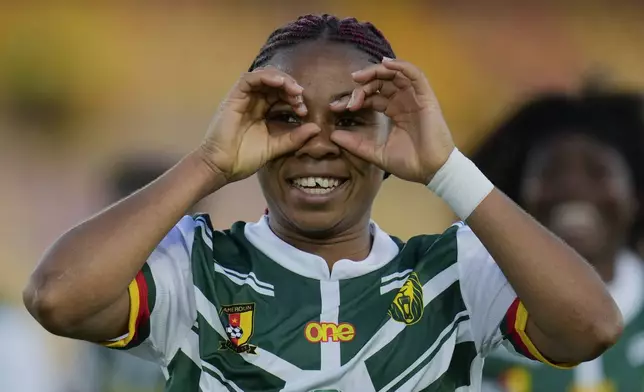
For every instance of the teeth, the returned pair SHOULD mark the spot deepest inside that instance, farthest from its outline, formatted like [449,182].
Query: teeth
[321,183]
[575,216]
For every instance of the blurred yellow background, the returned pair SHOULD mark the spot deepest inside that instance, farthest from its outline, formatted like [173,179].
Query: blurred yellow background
[84,86]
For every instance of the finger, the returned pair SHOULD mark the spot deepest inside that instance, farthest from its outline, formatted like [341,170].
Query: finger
[287,142]
[295,101]
[374,71]
[379,86]
[358,145]
[407,69]
[263,79]
[377,102]
[340,105]
[290,85]
[412,73]
[275,85]
[380,72]
[385,88]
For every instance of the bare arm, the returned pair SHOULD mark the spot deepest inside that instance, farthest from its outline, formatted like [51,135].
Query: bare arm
[79,288]
[573,318]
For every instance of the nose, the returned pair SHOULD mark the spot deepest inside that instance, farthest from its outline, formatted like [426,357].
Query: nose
[574,184]
[320,146]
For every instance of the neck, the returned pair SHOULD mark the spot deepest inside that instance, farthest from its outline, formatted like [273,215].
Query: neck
[352,244]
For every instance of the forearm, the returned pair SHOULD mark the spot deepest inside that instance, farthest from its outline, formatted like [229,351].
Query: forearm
[565,297]
[91,265]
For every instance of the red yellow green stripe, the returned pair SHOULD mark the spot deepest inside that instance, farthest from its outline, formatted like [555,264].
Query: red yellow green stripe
[513,328]
[141,292]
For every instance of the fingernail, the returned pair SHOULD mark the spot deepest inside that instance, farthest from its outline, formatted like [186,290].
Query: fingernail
[387,59]
[350,103]
[299,99]
[299,87]
[354,74]
[302,108]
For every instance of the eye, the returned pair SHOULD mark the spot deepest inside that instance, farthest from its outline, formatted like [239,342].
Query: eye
[348,122]
[284,117]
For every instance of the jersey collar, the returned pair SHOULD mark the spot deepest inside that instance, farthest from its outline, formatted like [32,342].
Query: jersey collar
[383,250]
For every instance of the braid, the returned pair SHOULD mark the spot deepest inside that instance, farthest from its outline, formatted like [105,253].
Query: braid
[364,36]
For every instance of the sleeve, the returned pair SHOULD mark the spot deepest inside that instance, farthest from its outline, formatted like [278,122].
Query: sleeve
[162,304]
[497,315]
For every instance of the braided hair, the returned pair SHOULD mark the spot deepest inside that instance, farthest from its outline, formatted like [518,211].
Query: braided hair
[362,35]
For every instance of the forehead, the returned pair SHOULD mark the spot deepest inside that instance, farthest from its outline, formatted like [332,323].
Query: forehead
[322,68]
[573,144]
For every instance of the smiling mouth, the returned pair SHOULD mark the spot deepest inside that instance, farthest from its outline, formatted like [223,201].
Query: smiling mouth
[317,185]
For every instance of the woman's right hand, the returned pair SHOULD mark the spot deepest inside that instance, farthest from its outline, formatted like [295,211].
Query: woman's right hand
[238,142]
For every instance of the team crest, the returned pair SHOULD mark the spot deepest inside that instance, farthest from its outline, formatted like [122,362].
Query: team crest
[407,306]
[239,328]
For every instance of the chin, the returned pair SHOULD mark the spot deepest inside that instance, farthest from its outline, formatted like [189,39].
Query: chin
[317,224]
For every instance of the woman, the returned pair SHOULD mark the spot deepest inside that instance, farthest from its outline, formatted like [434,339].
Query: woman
[575,164]
[315,296]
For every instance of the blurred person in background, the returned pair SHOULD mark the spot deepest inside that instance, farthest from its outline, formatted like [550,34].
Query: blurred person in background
[576,163]
[26,364]
[315,296]
[98,368]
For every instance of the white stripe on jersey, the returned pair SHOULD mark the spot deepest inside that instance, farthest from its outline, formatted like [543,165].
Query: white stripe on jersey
[206,234]
[330,313]
[394,281]
[396,275]
[263,359]
[209,379]
[392,328]
[244,279]
[436,366]
[246,276]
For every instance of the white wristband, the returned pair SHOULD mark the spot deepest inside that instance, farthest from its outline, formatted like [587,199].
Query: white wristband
[460,184]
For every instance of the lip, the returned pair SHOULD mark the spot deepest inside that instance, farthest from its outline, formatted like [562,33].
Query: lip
[299,195]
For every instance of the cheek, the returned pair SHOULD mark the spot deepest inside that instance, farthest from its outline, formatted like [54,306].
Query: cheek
[531,192]
[268,179]
[621,199]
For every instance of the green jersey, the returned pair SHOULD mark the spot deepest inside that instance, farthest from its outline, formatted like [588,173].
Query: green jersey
[241,310]
[621,368]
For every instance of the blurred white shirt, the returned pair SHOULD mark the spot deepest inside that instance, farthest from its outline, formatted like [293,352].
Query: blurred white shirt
[25,362]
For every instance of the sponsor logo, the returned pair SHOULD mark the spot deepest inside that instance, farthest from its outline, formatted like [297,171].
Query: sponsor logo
[329,332]
[238,320]
[407,306]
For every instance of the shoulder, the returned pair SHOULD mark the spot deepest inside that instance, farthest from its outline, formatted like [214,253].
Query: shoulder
[226,247]
[456,239]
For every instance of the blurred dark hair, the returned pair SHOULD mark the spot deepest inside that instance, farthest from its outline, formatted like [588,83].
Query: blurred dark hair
[614,118]
[132,174]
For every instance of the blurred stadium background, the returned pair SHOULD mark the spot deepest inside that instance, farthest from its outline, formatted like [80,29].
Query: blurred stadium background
[88,88]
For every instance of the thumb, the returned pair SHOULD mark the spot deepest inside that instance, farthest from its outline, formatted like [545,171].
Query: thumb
[291,141]
[358,145]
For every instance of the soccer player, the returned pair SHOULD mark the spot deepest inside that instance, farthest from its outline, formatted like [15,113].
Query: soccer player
[315,296]
[575,163]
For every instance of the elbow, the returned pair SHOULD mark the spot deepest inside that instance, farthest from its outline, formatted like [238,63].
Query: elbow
[46,307]
[605,333]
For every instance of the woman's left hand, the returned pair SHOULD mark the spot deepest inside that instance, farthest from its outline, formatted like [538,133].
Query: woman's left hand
[419,141]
